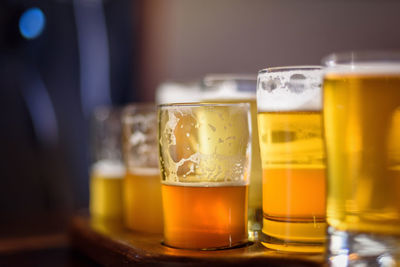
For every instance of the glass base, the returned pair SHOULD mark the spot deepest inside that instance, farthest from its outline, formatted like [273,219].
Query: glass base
[294,236]
[292,247]
[238,245]
[361,249]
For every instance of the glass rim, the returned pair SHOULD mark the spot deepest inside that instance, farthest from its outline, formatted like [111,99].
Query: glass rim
[289,68]
[203,104]
[368,56]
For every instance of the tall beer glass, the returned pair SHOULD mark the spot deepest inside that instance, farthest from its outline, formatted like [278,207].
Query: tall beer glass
[205,164]
[292,156]
[362,127]
[142,185]
[107,169]
[241,88]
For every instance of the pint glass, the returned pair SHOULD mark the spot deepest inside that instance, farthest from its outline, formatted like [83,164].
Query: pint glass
[362,127]
[107,169]
[142,185]
[292,156]
[205,165]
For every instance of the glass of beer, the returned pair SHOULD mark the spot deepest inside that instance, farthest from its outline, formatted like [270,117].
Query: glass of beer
[107,170]
[362,129]
[142,185]
[205,168]
[241,88]
[292,158]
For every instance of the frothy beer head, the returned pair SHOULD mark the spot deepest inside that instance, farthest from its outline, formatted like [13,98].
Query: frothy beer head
[364,69]
[362,63]
[109,169]
[289,89]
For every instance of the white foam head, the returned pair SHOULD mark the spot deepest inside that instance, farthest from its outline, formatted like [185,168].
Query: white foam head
[367,68]
[363,62]
[289,89]
[108,169]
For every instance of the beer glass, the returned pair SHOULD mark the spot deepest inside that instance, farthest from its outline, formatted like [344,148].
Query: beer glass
[362,128]
[142,185]
[292,156]
[205,164]
[237,88]
[107,169]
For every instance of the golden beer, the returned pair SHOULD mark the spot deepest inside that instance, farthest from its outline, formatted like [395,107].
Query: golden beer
[292,158]
[204,215]
[142,199]
[106,184]
[204,163]
[142,183]
[293,177]
[362,128]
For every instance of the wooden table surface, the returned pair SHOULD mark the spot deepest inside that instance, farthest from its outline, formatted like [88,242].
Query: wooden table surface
[110,244]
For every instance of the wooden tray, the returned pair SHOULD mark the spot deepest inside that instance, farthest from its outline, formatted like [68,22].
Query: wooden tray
[110,244]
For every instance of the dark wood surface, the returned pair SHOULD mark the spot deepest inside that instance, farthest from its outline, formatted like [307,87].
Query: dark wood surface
[111,244]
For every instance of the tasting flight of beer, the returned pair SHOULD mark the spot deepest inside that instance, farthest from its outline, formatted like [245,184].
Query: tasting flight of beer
[301,159]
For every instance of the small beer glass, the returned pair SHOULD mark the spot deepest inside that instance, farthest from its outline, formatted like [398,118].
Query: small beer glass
[362,129]
[241,88]
[142,185]
[292,156]
[205,164]
[107,170]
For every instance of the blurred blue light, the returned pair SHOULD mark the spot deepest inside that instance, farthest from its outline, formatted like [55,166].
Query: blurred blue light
[32,22]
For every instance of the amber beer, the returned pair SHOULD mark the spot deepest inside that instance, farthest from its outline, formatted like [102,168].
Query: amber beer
[142,198]
[205,215]
[204,163]
[293,176]
[362,127]
[106,184]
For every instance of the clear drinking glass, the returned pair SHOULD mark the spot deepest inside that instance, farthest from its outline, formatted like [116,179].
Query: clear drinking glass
[142,185]
[107,169]
[205,163]
[241,88]
[362,129]
[292,158]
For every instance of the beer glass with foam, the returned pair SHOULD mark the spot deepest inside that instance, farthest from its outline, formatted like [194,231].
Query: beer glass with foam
[362,128]
[205,164]
[292,156]
[142,185]
[107,169]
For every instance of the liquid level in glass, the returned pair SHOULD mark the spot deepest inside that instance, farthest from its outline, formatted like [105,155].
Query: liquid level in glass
[362,126]
[204,216]
[293,180]
[142,200]
[106,193]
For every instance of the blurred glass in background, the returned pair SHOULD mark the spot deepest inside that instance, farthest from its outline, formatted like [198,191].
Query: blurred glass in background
[107,169]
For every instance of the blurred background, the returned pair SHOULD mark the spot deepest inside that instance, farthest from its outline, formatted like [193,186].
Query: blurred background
[59,59]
